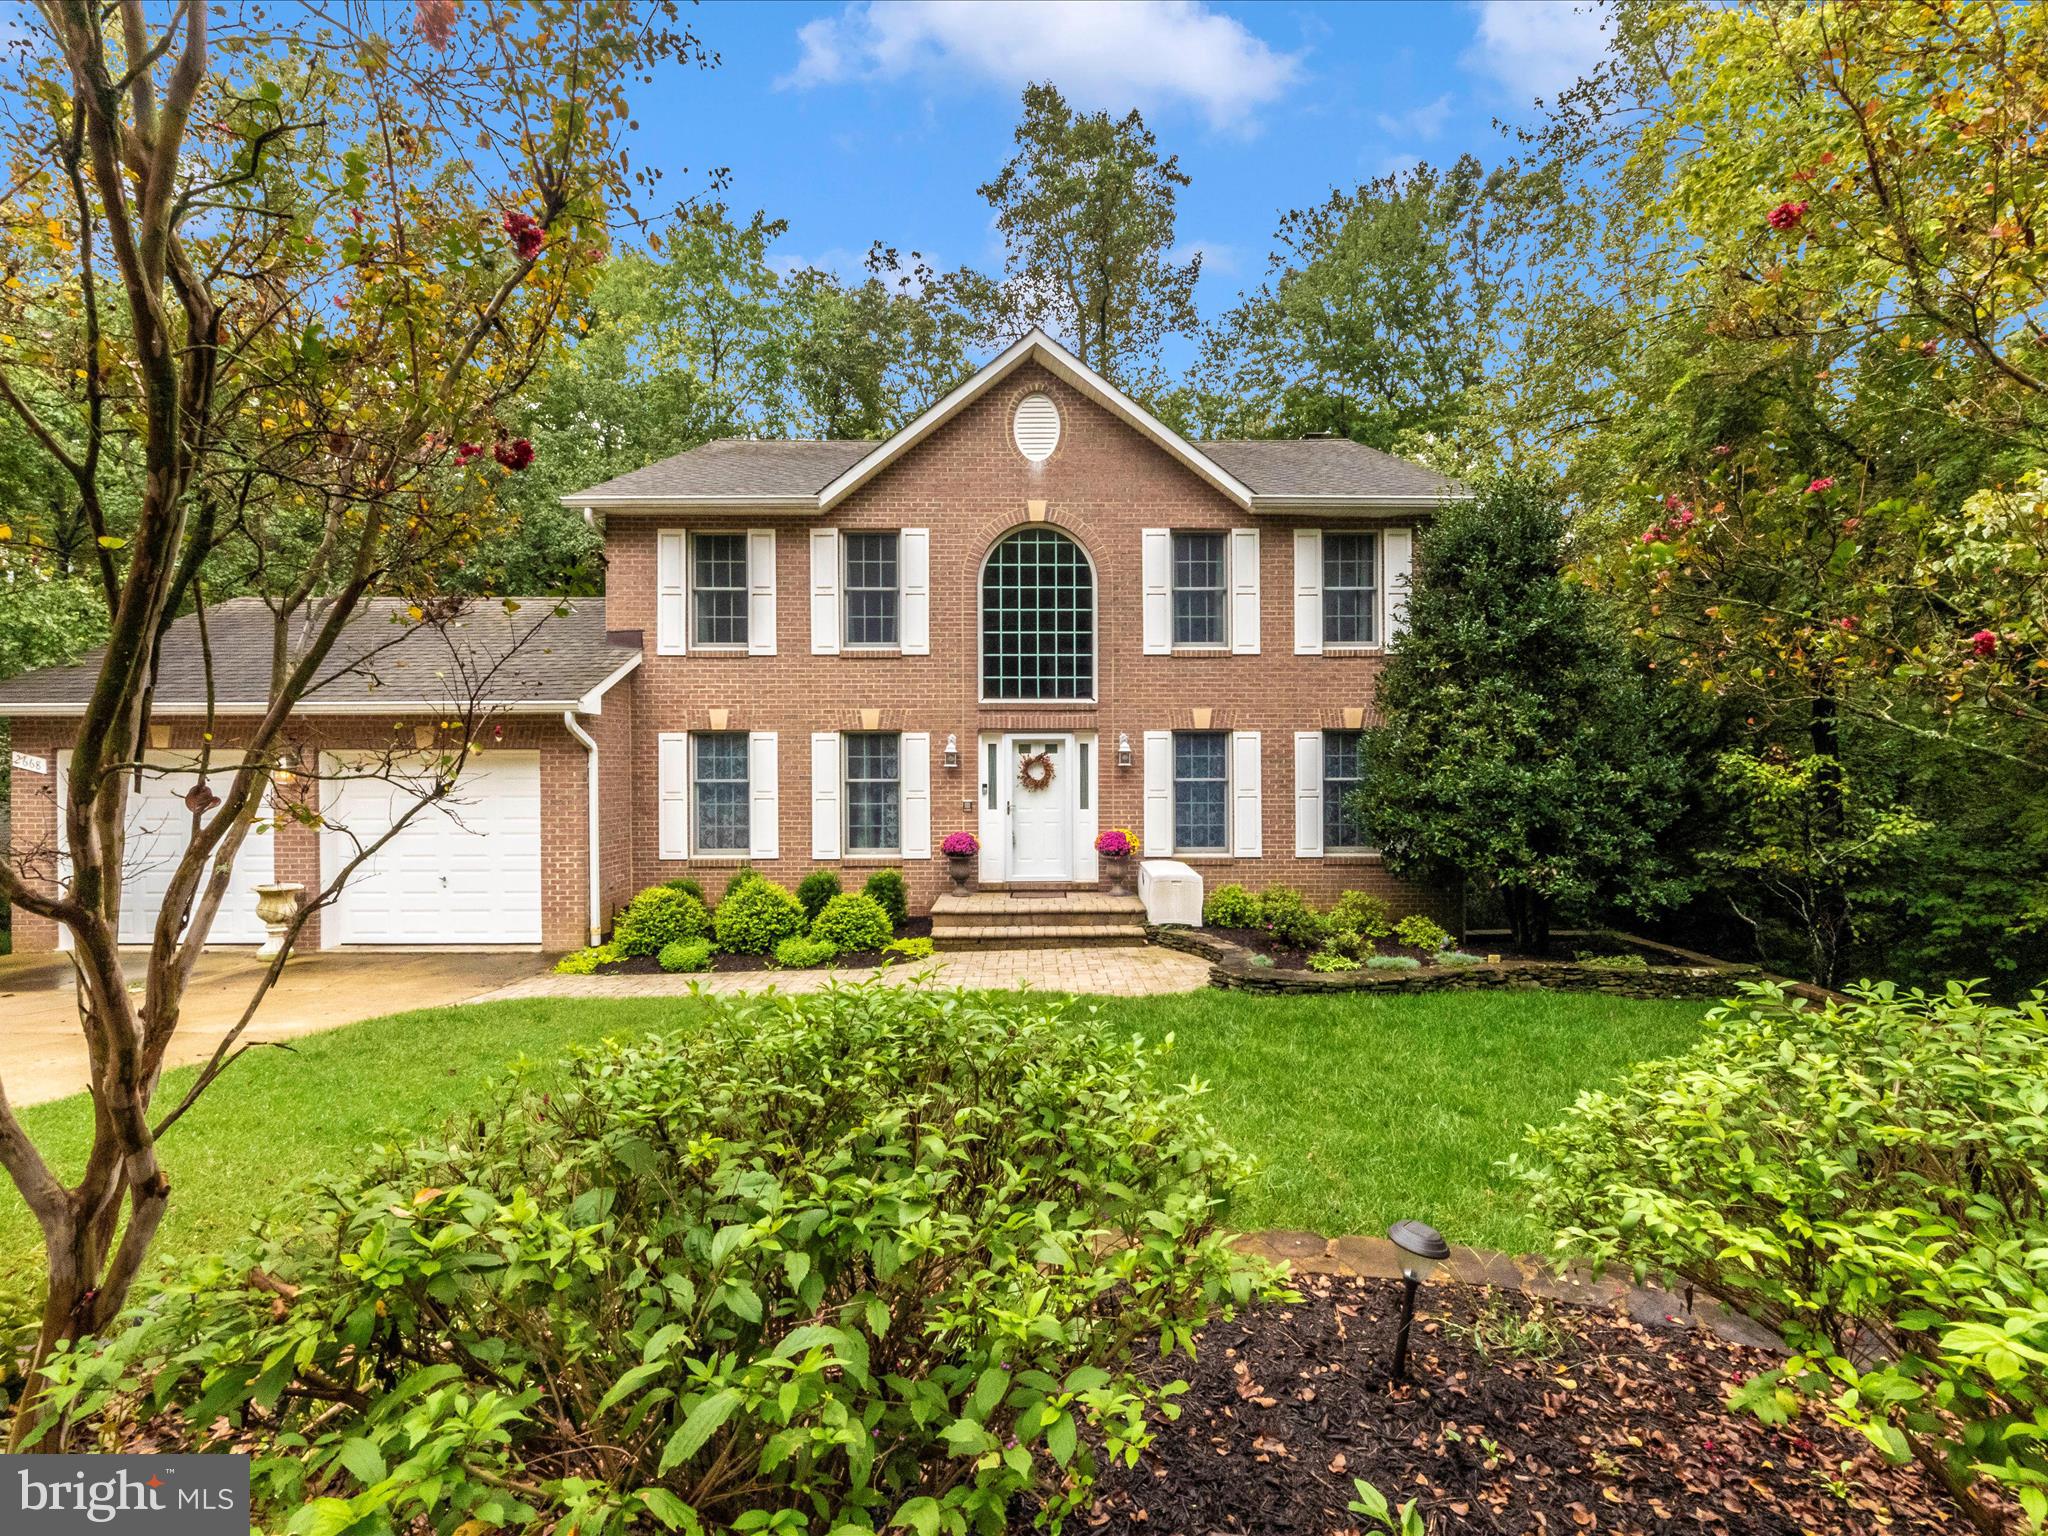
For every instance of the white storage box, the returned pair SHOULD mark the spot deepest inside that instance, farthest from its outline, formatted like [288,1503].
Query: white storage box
[1171,891]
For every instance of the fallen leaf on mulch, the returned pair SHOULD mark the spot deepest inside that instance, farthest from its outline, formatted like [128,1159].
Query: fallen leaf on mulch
[1625,1431]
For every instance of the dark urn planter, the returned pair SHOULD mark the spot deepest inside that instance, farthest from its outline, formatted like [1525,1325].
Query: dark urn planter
[1118,873]
[961,867]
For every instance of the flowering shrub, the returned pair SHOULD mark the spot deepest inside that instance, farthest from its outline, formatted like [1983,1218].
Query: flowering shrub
[1287,918]
[685,955]
[1362,913]
[756,916]
[1864,1177]
[657,917]
[1419,932]
[1115,843]
[853,922]
[960,845]
[770,1310]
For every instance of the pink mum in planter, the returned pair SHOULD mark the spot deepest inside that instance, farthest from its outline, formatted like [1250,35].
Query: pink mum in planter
[1115,843]
[960,845]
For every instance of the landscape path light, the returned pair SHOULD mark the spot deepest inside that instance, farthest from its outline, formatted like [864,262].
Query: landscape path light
[1422,1249]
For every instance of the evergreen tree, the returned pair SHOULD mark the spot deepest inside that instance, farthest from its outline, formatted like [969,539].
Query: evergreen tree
[1519,747]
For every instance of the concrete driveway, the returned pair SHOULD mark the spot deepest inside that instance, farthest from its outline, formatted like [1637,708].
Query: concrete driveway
[42,1054]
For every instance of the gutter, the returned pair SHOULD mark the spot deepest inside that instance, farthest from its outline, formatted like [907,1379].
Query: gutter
[575,728]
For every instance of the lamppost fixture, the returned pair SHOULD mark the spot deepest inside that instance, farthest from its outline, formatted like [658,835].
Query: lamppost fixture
[1422,1249]
[1123,749]
[952,750]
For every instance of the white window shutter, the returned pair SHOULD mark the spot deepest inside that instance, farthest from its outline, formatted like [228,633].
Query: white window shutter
[1244,591]
[824,795]
[1247,830]
[914,760]
[761,592]
[1308,794]
[672,778]
[671,591]
[914,568]
[1308,592]
[1397,545]
[1158,833]
[1156,568]
[764,796]
[825,627]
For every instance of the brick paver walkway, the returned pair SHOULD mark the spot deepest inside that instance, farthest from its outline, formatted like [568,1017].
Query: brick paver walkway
[1112,971]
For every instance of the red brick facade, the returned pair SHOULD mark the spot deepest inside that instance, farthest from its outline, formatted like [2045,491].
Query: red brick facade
[968,484]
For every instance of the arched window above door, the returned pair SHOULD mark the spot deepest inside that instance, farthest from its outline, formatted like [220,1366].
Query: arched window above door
[1037,618]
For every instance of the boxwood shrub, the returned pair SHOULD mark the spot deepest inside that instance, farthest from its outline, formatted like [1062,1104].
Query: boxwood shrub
[886,887]
[873,1257]
[814,890]
[756,916]
[657,917]
[853,922]
[1231,906]
[799,953]
[1287,918]
[685,955]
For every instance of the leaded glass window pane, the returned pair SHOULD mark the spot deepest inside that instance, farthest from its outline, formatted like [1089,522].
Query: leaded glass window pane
[1037,619]
[1348,591]
[1198,589]
[718,587]
[718,785]
[1201,791]
[871,588]
[1342,774]
[873,793]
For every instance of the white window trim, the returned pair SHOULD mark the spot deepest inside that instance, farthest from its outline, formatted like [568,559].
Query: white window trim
[851,648]
[847,850]
[981,629]
[1330,849]
[702,855]
[1205,647]
[1378,642]
[1229,793]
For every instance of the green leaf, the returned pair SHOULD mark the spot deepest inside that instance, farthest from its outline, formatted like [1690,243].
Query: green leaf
[363,1460]
[1060,1437]
[921,1514]
[704,1421]
[631,1382]
[668,1509]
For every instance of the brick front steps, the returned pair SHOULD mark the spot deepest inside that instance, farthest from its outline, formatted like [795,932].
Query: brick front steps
[1230,966]
[1053,920]
[1377,1259]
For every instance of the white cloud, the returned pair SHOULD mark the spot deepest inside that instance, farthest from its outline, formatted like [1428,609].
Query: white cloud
[1115,54]
[1424,122]
[1219,257]
[1538,47]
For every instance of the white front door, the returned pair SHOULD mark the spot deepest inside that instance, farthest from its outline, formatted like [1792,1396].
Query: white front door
[464,871]
[1041,820]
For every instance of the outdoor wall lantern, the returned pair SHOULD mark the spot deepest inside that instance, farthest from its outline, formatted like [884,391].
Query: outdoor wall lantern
[1123,749]
[1422,1249]
[952,751]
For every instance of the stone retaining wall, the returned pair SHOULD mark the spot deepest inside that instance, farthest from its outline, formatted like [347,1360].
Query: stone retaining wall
[1230,967]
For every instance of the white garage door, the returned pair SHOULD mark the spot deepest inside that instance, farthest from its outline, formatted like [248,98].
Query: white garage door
[463,871]
[159,831]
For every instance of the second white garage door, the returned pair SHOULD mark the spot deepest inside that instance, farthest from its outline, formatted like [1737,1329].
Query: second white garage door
[464,871]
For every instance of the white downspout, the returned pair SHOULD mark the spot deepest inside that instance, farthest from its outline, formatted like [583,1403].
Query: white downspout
[575,728]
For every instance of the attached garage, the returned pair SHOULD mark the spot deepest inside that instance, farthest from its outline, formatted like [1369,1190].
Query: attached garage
[464,870]
[159,829]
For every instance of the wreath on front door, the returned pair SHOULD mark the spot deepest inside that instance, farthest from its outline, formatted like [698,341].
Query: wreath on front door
[1035,772]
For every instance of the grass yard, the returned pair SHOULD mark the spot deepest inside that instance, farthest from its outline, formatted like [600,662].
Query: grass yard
[1358,1109]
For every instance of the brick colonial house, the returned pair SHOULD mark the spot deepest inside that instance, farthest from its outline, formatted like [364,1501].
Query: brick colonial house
[833,654]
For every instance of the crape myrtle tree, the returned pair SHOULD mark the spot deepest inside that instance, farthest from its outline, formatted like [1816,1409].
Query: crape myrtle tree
[270,274]
[1518,746]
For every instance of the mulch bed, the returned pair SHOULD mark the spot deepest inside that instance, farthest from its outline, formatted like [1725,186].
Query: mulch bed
[1621,1429]
[646,965]
[1287,958]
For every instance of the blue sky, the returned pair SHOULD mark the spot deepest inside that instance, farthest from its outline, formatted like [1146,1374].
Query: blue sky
[865,121]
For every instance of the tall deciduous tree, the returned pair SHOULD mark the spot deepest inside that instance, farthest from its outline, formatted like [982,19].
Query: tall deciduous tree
[1518,745]
[1086,208]
[271,277]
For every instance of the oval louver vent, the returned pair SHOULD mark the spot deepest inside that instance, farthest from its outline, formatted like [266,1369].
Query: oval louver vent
[1037,428]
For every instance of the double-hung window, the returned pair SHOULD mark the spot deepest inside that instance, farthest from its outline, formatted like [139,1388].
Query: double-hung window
[1342,774]
[873,590]
[718,589]
[1350,590]
[1198,589]
[718,793]
[874,792]
[1201,791]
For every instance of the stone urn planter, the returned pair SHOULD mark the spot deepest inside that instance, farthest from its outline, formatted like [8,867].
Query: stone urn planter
[961,850]
[1118,851]
[276,905]
[1117,872]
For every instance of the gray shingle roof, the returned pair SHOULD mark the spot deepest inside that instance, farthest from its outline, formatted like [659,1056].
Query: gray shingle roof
[739,466]
[1324,466]
[745,466]
[547,654]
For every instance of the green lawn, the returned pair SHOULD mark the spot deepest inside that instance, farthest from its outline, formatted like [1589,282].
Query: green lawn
[1358,1109]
